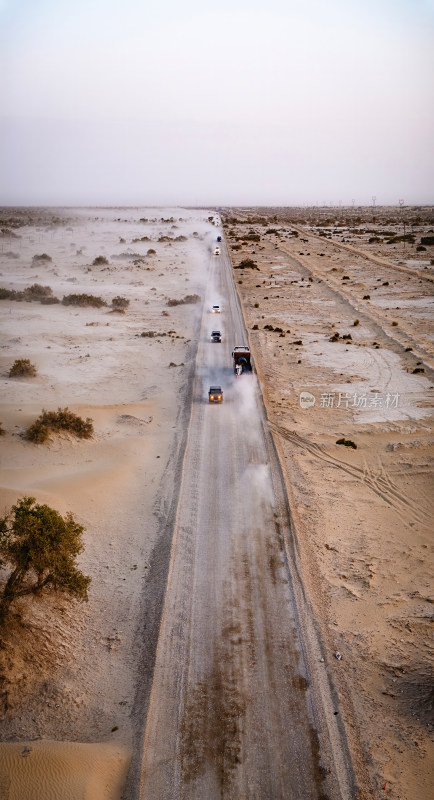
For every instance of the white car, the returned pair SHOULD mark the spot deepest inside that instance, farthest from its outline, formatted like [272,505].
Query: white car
[217,251]
[215,310]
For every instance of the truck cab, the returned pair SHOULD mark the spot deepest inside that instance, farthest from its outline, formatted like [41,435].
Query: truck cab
[242,360]
[216,336]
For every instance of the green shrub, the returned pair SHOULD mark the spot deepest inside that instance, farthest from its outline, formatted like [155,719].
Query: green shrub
[22,368]
[40,548]
[54,421]
[355,323]
[83,300]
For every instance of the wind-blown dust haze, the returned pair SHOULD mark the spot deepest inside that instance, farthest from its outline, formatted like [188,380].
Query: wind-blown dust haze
[239,102]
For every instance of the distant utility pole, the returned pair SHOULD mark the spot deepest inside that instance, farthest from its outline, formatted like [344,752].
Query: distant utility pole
[401,206]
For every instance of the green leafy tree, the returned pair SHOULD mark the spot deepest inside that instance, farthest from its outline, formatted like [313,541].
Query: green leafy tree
[40,548]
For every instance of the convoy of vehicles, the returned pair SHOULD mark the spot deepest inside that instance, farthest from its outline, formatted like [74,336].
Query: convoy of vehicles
[241,355]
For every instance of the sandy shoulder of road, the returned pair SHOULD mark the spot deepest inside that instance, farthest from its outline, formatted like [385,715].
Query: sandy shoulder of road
[361,516]
[69,672]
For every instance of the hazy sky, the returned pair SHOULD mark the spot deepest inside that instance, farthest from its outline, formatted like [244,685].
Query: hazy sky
[128,102]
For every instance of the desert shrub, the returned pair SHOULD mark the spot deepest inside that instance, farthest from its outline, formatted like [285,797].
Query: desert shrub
[39,547]
[189,298]
[251,237]
[151,252]
[394,323]
[366,296]
[49,301]
[83,300]
[356,322]
[2,430]
[427,240]
[142,239]
[420,248]
[120,303]
[22,368]
[41,258]
[36,290]
[255,328]
[373,239]
[99,261]
[7,294]
[347,443]
[54,421]
[247,263]
[256,305]
[273,230]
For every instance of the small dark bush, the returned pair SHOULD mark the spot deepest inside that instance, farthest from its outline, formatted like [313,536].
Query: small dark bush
[60,420]
[420,248]
[2,430]
[151,252]
[83,300]
[256,305]
[99,261]
[347,443]
[22,368]
[418,369]
[7,294]
[427,240]
[366,296]
[299,341]
[43,257]
[394,324]
[189,298]
[120,303]
[255,328]
[247,263]
[49,301]
[355,323]
[37,291]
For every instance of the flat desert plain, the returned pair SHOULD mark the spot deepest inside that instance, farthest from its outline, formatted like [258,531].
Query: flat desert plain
[70,671]
[339,310]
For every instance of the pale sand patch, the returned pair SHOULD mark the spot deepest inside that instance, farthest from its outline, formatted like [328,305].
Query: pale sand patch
[62,770]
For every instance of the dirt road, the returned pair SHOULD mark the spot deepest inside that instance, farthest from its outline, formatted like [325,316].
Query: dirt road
[236,708]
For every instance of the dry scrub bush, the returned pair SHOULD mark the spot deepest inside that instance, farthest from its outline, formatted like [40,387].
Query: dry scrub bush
[41,258]
[22,368]
[189,298]
[39,547]
[99,261]
[120,303]
[247,263]
[54,421]
[83,300]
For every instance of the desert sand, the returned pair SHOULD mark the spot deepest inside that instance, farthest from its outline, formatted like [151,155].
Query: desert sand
[80,673]
[73,672]
[363,517]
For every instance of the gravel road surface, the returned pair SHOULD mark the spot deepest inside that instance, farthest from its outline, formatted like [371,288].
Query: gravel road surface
[232,712]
